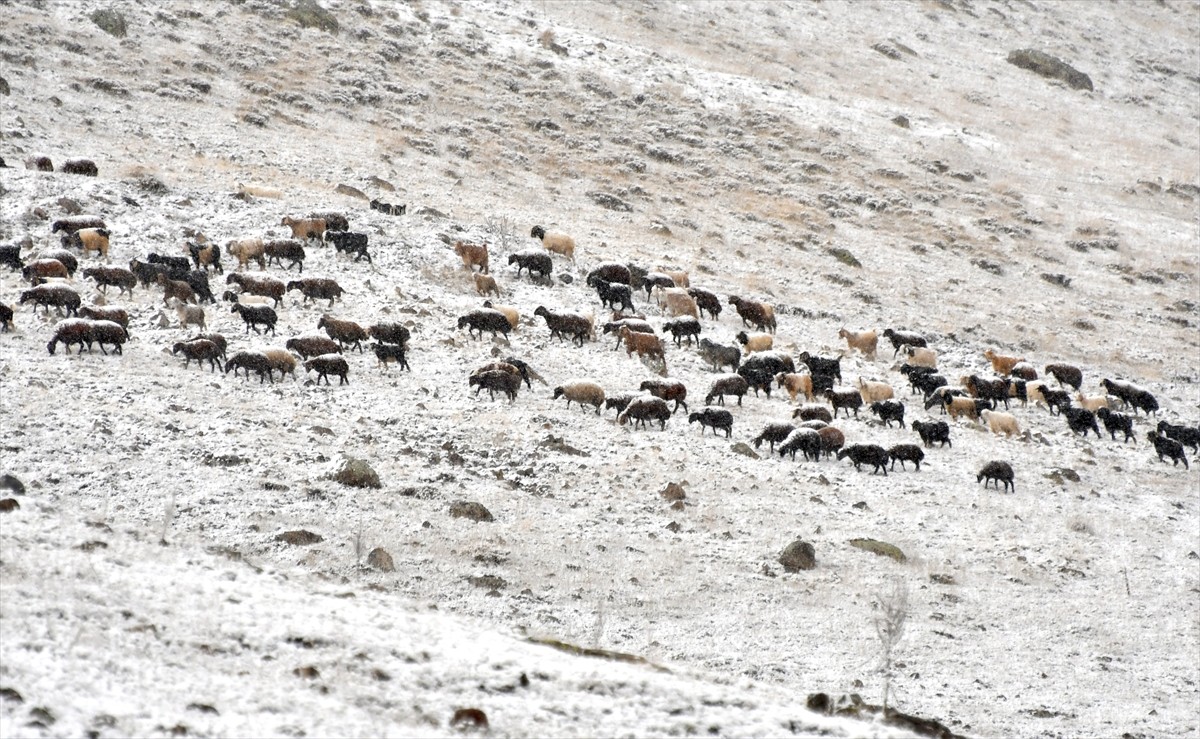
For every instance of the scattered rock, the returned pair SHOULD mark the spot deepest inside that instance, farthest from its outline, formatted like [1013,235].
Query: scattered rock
[4,86]
[609,201]
[674,527]
[1039,62]
[469,719]
[488,582]
[799,555]
[70,206]
[887,50]
[9,504]
[10,482]
[110,21]
[309,14]
[148,183]
[308,672]
[470,509]
[942,579]
[357,473]
[881,548]
[1062,474]
[744,449]
[11,695]
[673,492]
[352,191]
[556,444]
[91,546]
[299,538]
[844,256]
[203,708]
[381,560]
[901,121]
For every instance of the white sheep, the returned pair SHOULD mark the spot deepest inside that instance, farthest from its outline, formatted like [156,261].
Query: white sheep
[1033,392]
[1005,423]
[920,356]
[864,341]
[873,390]
[259,191]
[583,392]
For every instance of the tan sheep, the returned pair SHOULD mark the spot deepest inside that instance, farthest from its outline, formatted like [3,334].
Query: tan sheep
[473,255]
[282,360]
[92,239]
[1003,365]
[512,314]
[755,342]
[677,302]
[680,277]
[1092,403]
[796,383]
[920,356]
[259,191]
[486,285]
[643,344]
[189,315]
[1001,423]
[559,243]
[583,392]
[873,391]
[864,341]
[306,228]
[246,249]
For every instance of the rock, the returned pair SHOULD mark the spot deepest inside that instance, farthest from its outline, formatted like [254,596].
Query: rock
[4,86]
[470,509]
[799,555]
[432,212]
[881,548]
[488,582]
[110,21]
[10,482]
[11,695]
[70,206]
[8,505]
[1039,62]
[308,672]
[381,183]
[673,491]
[744,449]
[381,560]
[660,228]
[469,719]
[901,121]
[150,184]
[674,527]
[300,538]
[255,119]
[356,473]
[352,191]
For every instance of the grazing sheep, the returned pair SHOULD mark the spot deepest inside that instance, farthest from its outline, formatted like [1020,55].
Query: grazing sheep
[921,356]
[559,243]
[250,361]
[217,339]
[906,453]
[871,454]
[795,384]
[197,279]
[727,385]
[847,398]
[646,345]
[719,355]
[773,433]
[865,342]
[832,439]
[350,242]
[245,250]
[933,431]
[822,366]
[256,315]
[1066,374]
[6,318]
[71,331]
[258,191]
[511,313]
[485,285]
[1002,364]
[496,380]
[485,319]
[1002,423]
[10,255]
[67,259]
[282,360]
[306,228]
[997,472]
[995,389]
[46,296]
[1024,371]
[957,405]
[313,346]
[189,315]
[85,167]
[872,390]
[343,332]
[755,343]
[105,277]
[1167,447]
[1093,402]
[534,261]
[472,255]
[813,413]
[71,224]
[888,411]
[177,289]
[1080,421]
[562,325]
[706,301]
[616,295]
[267,287]
[754,314]
[645,409]
[619,402]
[659,281]
[1114,422]
[106,313]
[91,239]
[676,302]
[717,418]
[385,353]
[773,362]
[1144,400]
[44,268]
[514,367]
[39,164]
[329,364]
[200,350]
[317,288]
[609,272]
[583,392]
[1187,435]
[107,332]
[667,389]
[333,221]
[389,208]
[804,440]
[389,333]
[903,338]
[684,327]
[277,250]
[209,255]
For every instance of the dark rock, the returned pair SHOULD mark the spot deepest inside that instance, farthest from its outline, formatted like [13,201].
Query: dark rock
[382,184]
[150,184]
[674,527]
[110,21]
[255,119]
[744,449]
[488,582]
[9,504]
[11,695]
[356,473]
[381,560]
[799,555]
[10,482]
[1039,62]
[469,719]
[203,708]
[673,491]
[901,121]
[308,672]
[299,538]
[470,509]
[4,86]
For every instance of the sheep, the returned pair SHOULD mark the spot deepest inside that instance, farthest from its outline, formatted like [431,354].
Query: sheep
[10,255]
[1167,447]
[231,296]
[317,288]
[209,255]
[67,259]
[933,431]
[493,380]
[614,294]
[267,287]
[645,409]
[1024,371]
[146,273]
[199,350]
[994,389]
[727,385]
[217,339]
[1001,423]
[795,384]
[757,377]
[644,344]
[106,313]
[678,276]
[105,277]
[333,221]
[813,413]
[832,439]
[389,208]
[658,280]
[248,361]
[177,289]
[754,314]
[847,398]
[1187,435]
[872,390]
[472,255]
[717,418]
[329,364]
[521,373]
[1056,400]
[1144,400]
[705,301]
[313,346]
[511,313]
[561,325]
[966,406]
[189,315]
[282,360]
[39,164]
[772,362]
[619,402]
[350,242]
[197,279]
[524,369]
[915,374]
[91,239]
[804,440]
[306,228]
[389,333]
[44,268]
[676,302]
[822,366]
[609,272]
[71,331]
[343,332]
[1114,422]
[636,325]
[888,411]
[1125,391]
[85,167]
[1002,364]
[583,392]
[533,261]
[903,338]
[258,191]
[1080,421]
[71,224]
[773,433]
[485,319]
[719,355]
[277,250]
[254,315]
[998,472]
[755,343]
[245,250]
[921,356]
[6,318]
[667,389]
[1093,402]
[559,243]
[385,353]
[486,285]
[906,453]
[871,454]
[58,296]
[865,342]
[177,267]
[1066,374]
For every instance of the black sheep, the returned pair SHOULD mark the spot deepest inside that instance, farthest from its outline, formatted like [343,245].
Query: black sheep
[292,250]
[562,325]
[389,333]
[1166,447]
[644,411]
[11,255]
[389,208]
[485,319]
[1081,420]
[995,389]
[1066,374]
[933,431]
[496,381]
[706,301]
[906,453]
[254,315]
[6,318]
[615,295]
[1186,435]
[804,440]
[1057,400]
[727,385]
[888,411]
[848,399]
[1114,422]
[871,454]
[997,472]
[719,355]
[256,361]
[608,272]
[683,327]
[350,242]
[390,353]
[829,367]
[903,338]
[717,418]
[774,433]
[813,413]
[329,364]
[177,267]
[534,261]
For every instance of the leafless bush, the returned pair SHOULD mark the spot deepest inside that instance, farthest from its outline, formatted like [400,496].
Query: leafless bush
[889,627]
[503,231]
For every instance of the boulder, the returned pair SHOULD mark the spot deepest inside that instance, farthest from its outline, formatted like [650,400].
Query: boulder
[799,555]
[356,473]
[1039,62]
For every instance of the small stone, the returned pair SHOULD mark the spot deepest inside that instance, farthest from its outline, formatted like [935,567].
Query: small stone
[468,719]
[381,560]
[470,509]
[673,491]
[678,505]
[799,555]
[308,672]
[674,527]
[352,191]
[299,538]
[357,473]
[901,121]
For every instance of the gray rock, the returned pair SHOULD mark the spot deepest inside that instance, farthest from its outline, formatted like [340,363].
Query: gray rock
[110,21]
[352,191]
[799,555]
[673,491]
[300,538]
[381,560]
[1039,62]
[745,450]
[10,482]
[357,473]
[470,509]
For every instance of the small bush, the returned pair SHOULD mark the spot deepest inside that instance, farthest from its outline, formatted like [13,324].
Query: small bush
[844,256]
[309,14]
[110,21]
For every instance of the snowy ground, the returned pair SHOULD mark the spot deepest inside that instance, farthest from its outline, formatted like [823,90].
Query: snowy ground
[761,137]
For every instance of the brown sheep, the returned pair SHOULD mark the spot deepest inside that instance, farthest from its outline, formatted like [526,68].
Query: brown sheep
[486,285]
[754,314]
[246,249]
[306,228]
[177,289]
[343,332]
[473,255]
[1003,365]
[91,239]
[644,344]
[864,341]
[43,268]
